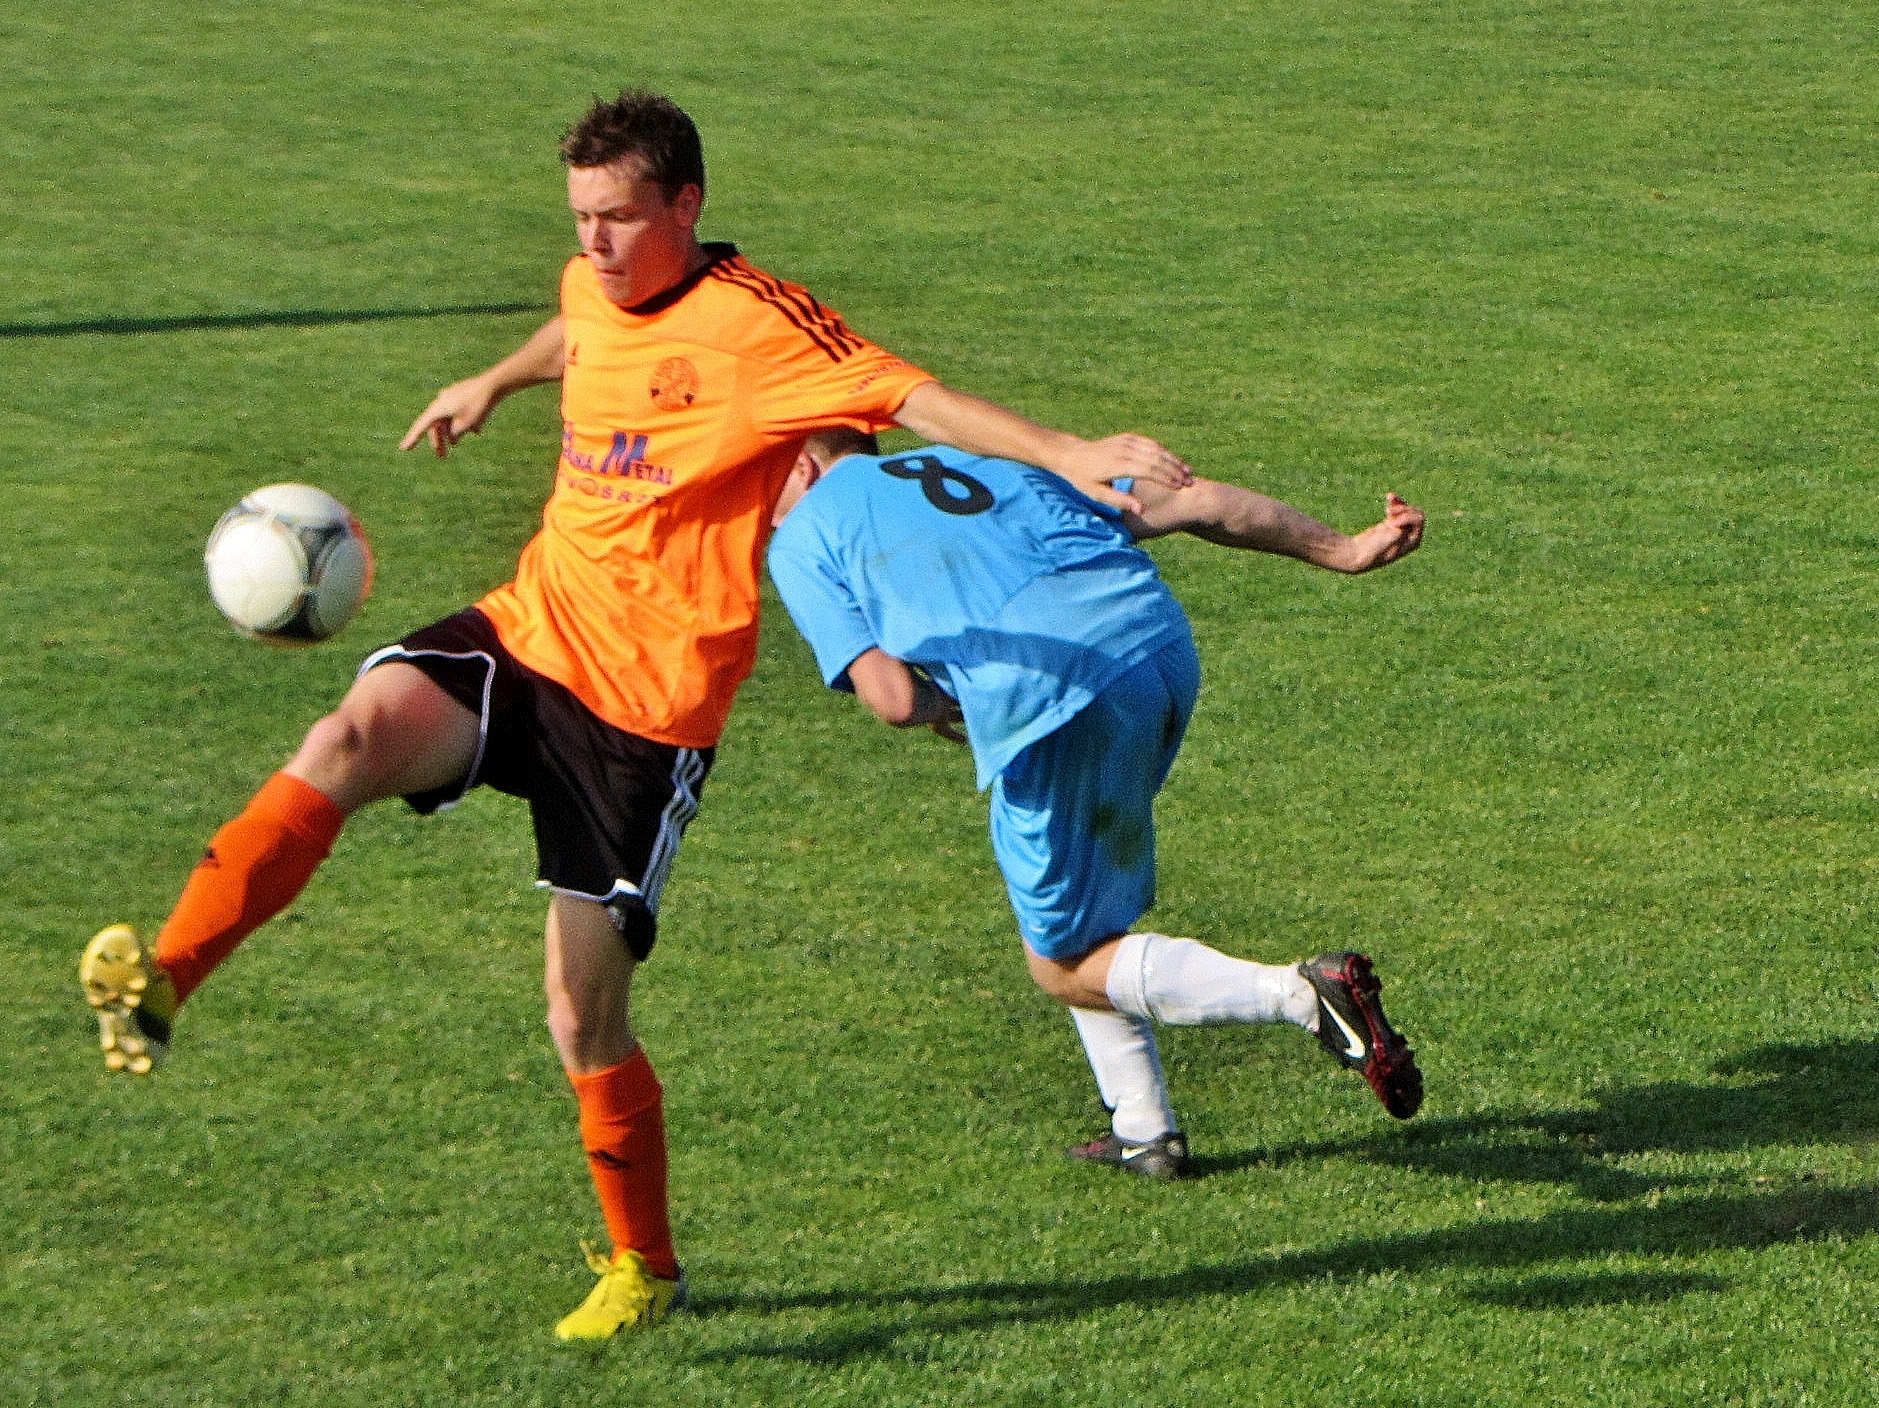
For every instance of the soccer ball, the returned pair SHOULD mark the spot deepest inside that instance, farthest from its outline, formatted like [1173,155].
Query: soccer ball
[288,565]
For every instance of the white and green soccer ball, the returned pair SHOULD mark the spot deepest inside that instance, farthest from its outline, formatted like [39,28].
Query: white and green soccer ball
[288,565]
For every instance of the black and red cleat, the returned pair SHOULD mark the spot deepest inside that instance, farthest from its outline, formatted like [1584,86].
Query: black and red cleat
[1352,1027]
[1165,1157]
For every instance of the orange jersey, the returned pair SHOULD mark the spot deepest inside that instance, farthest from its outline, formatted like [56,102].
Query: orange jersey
[681,418]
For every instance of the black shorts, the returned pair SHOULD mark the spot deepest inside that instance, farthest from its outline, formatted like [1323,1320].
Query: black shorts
[609,806]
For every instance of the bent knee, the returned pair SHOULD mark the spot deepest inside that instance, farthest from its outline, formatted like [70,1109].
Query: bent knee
[394,734]
[1081,981]
[565,1026]
[1058,980]
[339,739]
[588,1035]
[331,758]
[335,757]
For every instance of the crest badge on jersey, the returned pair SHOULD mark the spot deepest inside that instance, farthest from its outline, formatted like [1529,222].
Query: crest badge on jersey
[674,384]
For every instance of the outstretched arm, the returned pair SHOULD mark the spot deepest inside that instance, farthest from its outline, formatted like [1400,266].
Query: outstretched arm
[461,408]
[899,695]
[1240,518]
[943,416]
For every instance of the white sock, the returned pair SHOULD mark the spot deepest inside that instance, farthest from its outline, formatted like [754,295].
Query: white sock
[1127,1064]
[1187,984]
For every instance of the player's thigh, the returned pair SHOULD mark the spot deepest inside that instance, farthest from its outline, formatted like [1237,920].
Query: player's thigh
[1073,816]
[395,732]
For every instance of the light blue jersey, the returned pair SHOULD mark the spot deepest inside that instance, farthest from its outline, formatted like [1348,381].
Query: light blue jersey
[1020,596]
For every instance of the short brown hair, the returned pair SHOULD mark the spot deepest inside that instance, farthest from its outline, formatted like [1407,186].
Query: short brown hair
[639,124]
[832,442]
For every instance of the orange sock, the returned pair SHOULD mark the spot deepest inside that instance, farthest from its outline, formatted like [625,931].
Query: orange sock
[252,870]
[623,1130]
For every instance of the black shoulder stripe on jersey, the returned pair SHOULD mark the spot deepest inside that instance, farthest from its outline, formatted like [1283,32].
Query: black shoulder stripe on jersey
[821,326]
[811,309]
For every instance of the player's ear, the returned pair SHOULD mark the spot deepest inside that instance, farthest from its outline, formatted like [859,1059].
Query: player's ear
[802,477]
[689,203]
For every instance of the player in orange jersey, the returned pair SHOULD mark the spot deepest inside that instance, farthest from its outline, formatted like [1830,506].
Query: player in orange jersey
[596,683]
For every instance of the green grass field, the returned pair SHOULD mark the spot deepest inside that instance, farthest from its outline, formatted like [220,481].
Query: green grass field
[1592,776]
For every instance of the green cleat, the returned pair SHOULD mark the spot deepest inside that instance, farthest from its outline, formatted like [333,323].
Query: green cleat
[626,1297]
[134,999]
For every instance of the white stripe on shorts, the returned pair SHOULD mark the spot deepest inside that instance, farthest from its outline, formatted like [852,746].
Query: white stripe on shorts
[688,770]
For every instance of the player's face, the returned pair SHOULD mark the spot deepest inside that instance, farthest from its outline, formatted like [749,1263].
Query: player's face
[640,243]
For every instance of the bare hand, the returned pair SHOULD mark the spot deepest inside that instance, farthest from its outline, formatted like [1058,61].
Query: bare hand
[1398,535]
[1095,463]
[457,411]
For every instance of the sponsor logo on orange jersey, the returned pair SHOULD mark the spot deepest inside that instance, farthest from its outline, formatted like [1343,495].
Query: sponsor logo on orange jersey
[625,459]
[674,384]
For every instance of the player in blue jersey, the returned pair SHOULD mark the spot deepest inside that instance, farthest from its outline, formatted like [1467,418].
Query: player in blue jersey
[946,589]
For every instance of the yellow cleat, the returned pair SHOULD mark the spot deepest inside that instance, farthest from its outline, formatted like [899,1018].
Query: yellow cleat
[626,1297]
[134,999]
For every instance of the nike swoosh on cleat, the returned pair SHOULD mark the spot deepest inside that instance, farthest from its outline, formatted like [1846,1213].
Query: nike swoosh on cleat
[1139,1149]
[1353,1043]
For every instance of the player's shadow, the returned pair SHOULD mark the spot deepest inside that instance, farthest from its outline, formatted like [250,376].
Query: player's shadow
[1771,1096]
[847,1325]
[1784,1094]
[289,318]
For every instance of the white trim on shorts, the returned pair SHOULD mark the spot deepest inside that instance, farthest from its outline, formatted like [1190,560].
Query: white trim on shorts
[396,651]
[688,770]
[620,887]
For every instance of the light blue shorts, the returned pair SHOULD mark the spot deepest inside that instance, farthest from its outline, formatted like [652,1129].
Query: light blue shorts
[1073,815]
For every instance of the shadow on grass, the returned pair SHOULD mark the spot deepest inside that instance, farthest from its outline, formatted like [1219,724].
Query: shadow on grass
[1615,1288]
[1770,1096]
[292,318]
[870,1324]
